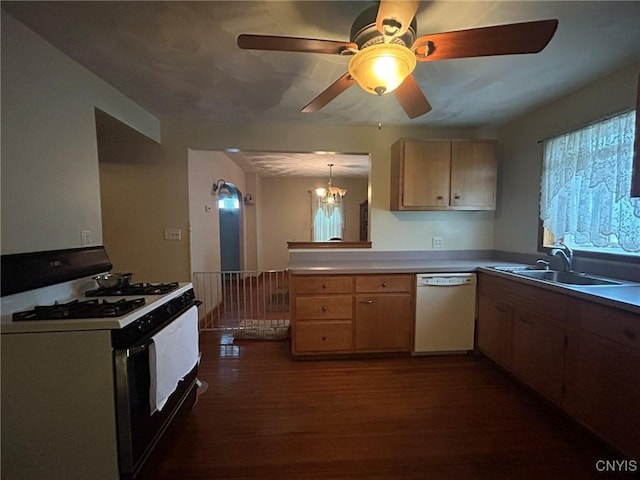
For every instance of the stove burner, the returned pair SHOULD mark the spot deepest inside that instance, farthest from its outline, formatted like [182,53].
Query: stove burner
[134,289]
[80,309]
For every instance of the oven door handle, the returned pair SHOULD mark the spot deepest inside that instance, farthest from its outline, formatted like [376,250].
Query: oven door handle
[135,350]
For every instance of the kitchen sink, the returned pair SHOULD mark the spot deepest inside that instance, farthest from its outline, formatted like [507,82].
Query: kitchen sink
[570,278]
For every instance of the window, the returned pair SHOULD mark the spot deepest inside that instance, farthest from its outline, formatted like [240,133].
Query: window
[585,189]
[328,220]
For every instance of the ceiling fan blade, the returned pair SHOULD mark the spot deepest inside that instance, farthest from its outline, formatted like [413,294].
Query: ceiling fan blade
[411,98]
[514,38]
[294,44]
[394,17]
[330,93]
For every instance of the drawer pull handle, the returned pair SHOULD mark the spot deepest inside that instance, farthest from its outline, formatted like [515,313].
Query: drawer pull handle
[324,308]
[630,334]
[384,285]
[440,197]
[324,339]
[324,285]
[457,196]
[366,302]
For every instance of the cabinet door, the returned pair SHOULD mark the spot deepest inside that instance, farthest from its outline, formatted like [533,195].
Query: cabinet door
[383,322]
[494,330]
[608,390]
[425,174]
[538,345]
[473,175]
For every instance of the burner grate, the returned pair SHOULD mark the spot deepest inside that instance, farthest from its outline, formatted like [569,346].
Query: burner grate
[80,309]
[134,289]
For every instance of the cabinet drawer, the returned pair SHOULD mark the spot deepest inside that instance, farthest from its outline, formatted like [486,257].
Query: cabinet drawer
[617,325]
[383,283]
[314,337]
[311,284]
[323,307]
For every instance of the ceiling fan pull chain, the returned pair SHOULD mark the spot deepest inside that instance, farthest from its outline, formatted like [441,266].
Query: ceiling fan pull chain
[379,112]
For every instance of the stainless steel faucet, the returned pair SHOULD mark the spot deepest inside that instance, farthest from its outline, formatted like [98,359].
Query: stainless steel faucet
[566,254]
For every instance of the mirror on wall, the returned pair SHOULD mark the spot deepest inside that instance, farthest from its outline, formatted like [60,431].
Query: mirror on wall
[310,199]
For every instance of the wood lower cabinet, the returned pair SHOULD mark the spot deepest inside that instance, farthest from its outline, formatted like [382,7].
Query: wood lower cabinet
[538,346]
[583,356]
[383,322]
[605,390]
[322,311]
[494,329]
[346,314]
[524,329]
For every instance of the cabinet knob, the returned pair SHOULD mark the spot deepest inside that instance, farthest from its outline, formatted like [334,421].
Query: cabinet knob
[324,339]
[384,285]
[440,197]
[324,308]
[457,196]
[324,285]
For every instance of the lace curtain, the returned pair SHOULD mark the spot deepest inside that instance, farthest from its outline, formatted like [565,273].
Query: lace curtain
[586,180]
[328,223]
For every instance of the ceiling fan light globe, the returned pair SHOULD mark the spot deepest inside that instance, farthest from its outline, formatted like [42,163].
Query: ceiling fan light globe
[382,67]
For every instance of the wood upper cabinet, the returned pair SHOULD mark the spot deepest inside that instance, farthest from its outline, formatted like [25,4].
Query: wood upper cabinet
[473,174]
[443,174]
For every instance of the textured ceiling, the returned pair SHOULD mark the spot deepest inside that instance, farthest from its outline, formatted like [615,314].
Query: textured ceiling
[180,59]
[313,164]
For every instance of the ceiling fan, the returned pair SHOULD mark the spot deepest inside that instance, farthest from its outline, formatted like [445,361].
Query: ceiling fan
[384,50]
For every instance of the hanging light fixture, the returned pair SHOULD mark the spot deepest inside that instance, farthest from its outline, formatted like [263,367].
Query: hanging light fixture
[331,196]
[381,68]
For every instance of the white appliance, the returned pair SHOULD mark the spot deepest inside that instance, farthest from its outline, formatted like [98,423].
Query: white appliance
[445,312]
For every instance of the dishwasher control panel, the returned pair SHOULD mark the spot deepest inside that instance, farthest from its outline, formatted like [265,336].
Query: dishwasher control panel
[446,280]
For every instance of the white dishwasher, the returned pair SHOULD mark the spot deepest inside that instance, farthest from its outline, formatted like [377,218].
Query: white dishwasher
[445,312]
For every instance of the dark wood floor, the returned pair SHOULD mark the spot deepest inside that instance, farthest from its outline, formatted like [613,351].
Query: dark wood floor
[266,416]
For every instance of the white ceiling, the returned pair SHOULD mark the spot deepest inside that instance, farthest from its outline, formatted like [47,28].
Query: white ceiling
[181,59]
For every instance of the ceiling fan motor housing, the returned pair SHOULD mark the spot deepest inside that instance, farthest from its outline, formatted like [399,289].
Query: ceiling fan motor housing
[364,32]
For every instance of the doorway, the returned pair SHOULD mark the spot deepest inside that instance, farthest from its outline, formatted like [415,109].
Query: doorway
[230,219]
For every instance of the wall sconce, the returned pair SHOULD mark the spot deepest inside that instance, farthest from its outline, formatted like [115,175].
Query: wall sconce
[219,186]
[248,199]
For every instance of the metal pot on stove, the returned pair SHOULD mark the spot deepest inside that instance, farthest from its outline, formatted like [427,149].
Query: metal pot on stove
[113,280]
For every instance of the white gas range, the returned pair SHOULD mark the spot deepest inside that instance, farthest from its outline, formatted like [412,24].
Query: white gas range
[89,397]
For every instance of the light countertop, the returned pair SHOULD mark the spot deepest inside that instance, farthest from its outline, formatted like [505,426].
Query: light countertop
[626,296]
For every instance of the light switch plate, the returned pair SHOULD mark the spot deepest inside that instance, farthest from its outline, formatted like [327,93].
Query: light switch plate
[436,242]
[85,238]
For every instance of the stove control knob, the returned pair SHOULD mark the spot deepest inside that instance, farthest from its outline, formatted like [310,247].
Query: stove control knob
[170,309]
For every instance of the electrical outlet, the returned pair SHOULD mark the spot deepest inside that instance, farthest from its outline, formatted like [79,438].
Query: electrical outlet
[436,242]
[172,234]
[85,238]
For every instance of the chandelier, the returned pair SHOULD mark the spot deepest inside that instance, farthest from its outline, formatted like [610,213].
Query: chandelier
[331,196]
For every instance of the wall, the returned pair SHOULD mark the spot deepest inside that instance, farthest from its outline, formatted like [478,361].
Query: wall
[389,230]
[50,180]
[516,227]
[203,169]
[285,212]
[137,205]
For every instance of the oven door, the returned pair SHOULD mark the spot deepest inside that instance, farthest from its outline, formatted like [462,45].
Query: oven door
[138,429]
